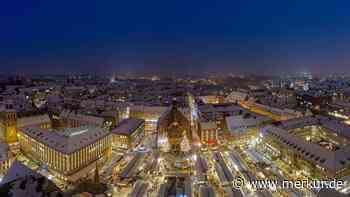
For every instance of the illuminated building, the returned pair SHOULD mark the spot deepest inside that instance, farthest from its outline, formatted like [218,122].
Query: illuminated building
[212,99]
[66,151]
[150,114]
[6,158]
[208,133]
[236,97]
[318,142]
[111,118]
[272,112]
[128,133]
[72,119]
[8,126]
[339,109]
[175,126]
[280,98]
[313,99]
[218,112]
[242,127]
[43,121]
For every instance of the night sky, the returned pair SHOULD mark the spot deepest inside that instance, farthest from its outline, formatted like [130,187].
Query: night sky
[174,36]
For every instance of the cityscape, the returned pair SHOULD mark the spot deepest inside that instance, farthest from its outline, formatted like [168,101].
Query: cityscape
[175,98]
[88,135]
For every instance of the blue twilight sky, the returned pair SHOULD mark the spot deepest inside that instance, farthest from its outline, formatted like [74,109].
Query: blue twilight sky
[174,36]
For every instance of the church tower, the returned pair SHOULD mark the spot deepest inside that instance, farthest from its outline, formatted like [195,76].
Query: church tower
[8,126]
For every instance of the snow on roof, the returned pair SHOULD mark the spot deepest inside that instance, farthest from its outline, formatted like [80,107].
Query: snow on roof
[244,121]
[149,109]
[333,160]
[298,122]
[128,126]
[336,126]
[22,181]
[32,120]
[225,107]
[82,117]
[67,140]
[330,123]
[16,171]
[236,95]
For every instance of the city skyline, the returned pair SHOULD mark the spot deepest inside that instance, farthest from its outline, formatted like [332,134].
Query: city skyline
[175,98]
[180,37]
[183,135]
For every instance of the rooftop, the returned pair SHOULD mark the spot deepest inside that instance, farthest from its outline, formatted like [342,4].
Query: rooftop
[22,181]
[333,160]
[67,114]
[67,140]
[16,171]
[128,126]
[33,120]
[245,121]
[334,125]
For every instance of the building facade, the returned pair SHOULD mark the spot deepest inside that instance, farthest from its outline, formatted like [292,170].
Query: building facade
[128,134]
[65,152]
[8,126]
[208,133]
[6,158]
